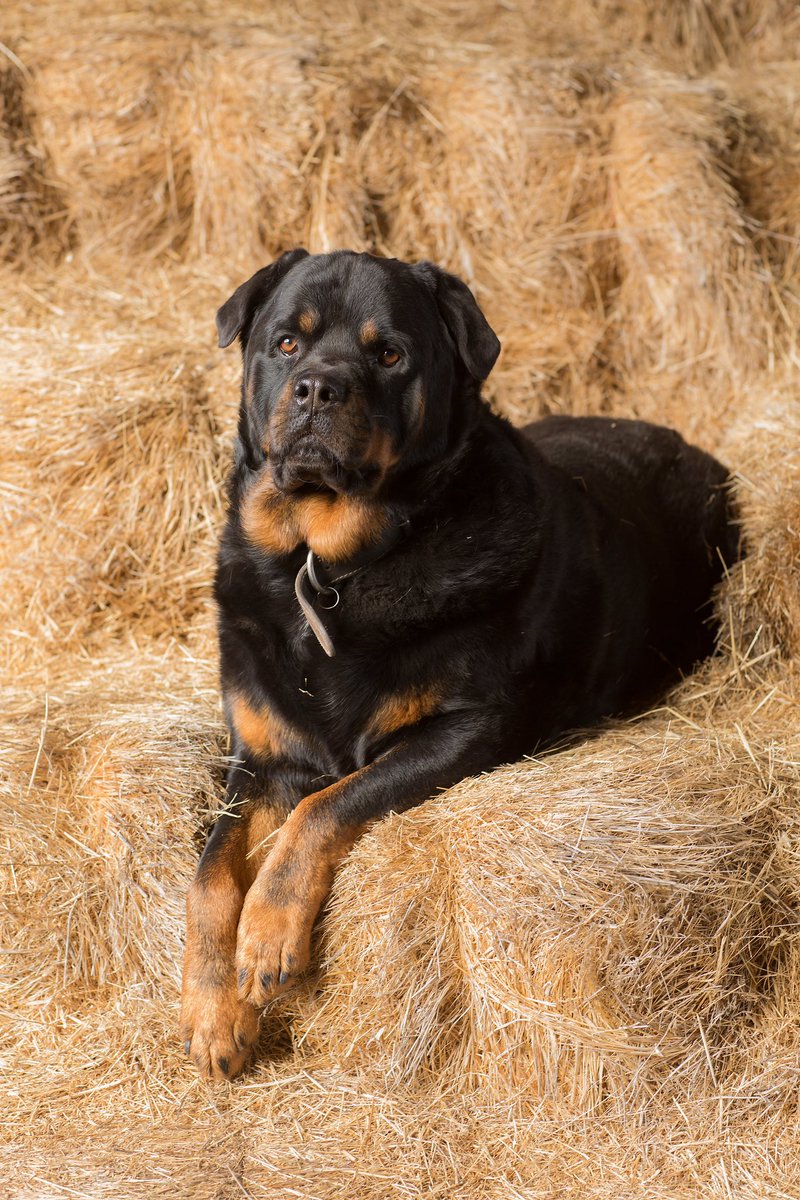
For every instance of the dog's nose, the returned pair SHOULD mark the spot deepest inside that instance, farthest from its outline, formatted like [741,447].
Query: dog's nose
[314,391]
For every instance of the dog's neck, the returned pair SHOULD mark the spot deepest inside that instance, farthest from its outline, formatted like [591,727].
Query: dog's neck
[329,573]
[315,583]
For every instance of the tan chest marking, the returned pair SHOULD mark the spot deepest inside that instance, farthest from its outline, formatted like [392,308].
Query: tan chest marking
[334,527]
[265,734]
[406,708]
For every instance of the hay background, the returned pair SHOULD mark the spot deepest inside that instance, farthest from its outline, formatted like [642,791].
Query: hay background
[578,976]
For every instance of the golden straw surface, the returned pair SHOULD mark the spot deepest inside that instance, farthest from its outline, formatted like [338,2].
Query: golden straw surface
[578,976]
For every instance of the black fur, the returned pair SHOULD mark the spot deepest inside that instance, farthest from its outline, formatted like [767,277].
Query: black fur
[550,576]
[504,587]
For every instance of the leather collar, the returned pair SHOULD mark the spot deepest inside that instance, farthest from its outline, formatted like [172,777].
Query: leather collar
[315,582]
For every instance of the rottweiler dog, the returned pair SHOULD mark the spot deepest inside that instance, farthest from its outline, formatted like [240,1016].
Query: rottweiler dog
[411,590]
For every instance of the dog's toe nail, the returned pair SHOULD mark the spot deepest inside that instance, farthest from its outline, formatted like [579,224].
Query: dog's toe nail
[266,981]
[223,1064]
[284,975]
[187,1047]
[242,976]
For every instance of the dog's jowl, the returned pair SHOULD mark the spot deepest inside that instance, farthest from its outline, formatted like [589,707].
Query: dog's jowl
[410,591]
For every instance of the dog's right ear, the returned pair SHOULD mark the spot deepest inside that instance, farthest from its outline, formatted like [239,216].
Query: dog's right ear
[237,312]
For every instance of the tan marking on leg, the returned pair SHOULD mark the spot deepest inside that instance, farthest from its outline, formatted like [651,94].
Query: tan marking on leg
[406,708]
[218,1027]
[213,904]
[274,939]
[261,729]
[262,829]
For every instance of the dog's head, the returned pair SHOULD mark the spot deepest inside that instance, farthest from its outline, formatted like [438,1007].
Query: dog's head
[355,368]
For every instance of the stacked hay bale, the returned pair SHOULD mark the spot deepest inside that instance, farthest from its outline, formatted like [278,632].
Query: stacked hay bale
[576,975]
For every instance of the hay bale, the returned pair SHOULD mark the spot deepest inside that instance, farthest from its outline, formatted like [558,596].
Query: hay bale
[169,133]
[763,446]
[541,936]
[765,163]
[32,217]
[115,440]
[553,191]
[693,302]
[574,976]
[505,185]
[102,805]
[697,35]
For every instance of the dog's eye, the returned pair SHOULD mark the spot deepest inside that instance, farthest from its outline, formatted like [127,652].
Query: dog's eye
[288,346]
[388,358]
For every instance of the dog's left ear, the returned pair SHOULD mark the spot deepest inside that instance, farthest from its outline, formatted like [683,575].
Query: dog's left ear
[236,313]
[477,343]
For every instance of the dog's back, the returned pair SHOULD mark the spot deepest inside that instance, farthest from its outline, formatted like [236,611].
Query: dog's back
[676,500]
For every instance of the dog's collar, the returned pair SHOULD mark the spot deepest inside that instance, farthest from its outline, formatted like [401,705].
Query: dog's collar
[320,578]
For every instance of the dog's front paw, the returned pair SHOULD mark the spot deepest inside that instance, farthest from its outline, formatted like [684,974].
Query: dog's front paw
[218,1029]
[273,945]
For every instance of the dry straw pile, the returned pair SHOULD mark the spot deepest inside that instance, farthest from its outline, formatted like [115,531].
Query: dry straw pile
[578,976]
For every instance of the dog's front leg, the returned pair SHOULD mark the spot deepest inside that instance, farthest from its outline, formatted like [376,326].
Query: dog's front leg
[281,906]
[218,1028]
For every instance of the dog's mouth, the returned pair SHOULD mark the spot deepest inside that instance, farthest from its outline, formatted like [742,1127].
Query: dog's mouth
[309,465]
